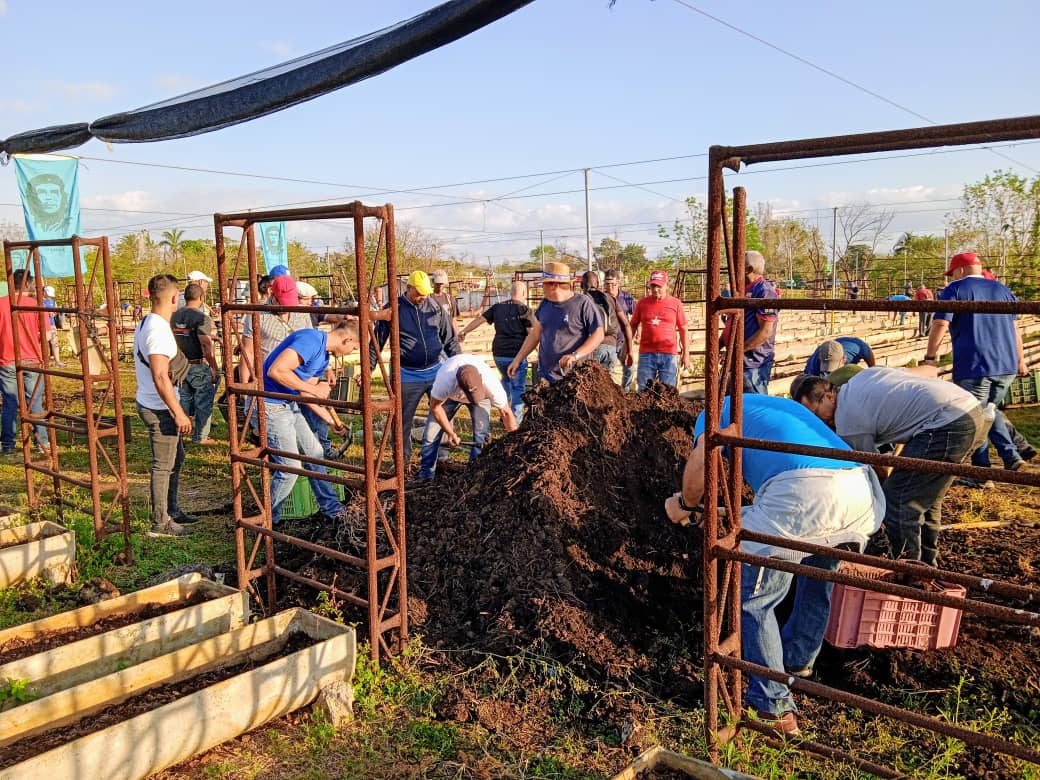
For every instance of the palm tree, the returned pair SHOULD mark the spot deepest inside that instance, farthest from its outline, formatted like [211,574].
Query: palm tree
[172,243]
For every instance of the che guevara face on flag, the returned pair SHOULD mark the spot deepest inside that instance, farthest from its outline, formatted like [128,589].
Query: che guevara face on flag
[50,200]
[272,242]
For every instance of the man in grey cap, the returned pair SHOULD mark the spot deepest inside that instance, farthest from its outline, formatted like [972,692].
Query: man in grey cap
[442,297]
[933,419]
[842,351]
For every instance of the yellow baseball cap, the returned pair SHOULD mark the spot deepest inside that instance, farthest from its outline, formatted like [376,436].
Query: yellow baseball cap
[421,282]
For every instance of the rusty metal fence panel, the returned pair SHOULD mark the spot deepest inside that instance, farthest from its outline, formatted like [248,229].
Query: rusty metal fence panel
[723,666]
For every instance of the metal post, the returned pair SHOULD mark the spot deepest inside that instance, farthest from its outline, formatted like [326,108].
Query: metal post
[588,221]
[834,257]
[541,249]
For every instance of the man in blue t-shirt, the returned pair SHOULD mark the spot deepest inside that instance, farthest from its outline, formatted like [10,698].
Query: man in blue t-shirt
[800,497]
[568,328]
[759,327]
[987,349]
[832,355]
[299,366]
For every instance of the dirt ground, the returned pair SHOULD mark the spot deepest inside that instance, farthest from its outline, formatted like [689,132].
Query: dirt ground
[555,542]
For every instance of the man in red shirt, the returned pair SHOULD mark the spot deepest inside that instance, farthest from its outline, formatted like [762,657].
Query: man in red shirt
[924,318]
[659,316]
[29,352]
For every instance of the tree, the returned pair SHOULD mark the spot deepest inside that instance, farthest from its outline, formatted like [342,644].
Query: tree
[859,223]
[1000,221]
[792,247]
[687,239]
[548,250]
[172,244]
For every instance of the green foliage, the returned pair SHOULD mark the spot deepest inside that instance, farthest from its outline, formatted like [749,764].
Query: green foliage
[14,693]
[687,238]
[327,605]
[318,734]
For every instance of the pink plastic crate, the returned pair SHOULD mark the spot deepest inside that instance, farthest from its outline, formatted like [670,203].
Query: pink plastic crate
[862,617]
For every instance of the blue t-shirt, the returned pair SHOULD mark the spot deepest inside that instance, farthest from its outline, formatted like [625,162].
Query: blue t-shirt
[565,327]
[311,346]
[983,344]
[753,319]
[855,351]
[780,419]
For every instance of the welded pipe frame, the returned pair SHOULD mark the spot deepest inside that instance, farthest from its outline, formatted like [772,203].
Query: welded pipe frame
[381,618]
[722,664]
[108,471]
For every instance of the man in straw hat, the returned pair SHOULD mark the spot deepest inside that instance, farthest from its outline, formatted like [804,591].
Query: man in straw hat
[568,327]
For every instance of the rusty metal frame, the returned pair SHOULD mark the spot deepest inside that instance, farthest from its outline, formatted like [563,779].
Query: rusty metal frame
[385,599]
[108,471]
[723,666]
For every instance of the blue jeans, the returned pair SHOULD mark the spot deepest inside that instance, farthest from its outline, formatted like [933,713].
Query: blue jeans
[288,430]
[606,356]
[318,426]
[197,393]
[411,394]
[9,399]
[756,380]
[514,387]
[480,414]
[628,373]
[992,389]
[659,366]
[913,499]
[798,644]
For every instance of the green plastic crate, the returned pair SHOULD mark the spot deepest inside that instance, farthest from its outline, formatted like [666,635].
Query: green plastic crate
[1024,389]
[301,501]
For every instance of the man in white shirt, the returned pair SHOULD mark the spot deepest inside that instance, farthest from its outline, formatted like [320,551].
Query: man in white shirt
[159,366]
[462,379]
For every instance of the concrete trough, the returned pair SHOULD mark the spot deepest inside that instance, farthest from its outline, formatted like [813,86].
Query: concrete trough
[174,732]
[658,759]
[75,663]
[36,550]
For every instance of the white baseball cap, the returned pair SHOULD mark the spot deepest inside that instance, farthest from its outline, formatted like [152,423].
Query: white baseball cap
[198,276]
[306,290]
[48,291]
[440,276]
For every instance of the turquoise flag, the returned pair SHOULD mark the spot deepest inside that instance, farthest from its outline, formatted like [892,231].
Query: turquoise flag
[272,242]
[50,198]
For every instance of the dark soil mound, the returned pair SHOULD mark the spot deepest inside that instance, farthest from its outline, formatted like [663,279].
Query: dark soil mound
[556,536]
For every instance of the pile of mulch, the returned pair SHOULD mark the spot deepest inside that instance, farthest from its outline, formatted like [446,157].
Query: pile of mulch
[555,540]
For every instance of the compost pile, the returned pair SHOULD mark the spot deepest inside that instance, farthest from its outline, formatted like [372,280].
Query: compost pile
[556,538]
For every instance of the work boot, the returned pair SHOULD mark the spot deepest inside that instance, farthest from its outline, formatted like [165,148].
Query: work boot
[168,528]
[183,518]
[782,726]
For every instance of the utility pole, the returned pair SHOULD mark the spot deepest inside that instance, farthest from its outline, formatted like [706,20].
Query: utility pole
[834,258]
[541,249]
[588,221]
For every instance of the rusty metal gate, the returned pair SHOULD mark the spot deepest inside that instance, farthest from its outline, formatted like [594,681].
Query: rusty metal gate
[723,665]
[378,482]
[100,427]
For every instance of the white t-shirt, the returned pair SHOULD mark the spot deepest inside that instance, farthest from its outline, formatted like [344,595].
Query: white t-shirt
[153,337]
[446,386]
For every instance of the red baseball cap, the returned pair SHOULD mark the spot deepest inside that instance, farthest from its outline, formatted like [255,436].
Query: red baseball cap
[962,260]
[659,278]
[283,288]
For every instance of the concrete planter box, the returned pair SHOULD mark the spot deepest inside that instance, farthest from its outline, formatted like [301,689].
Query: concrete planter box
[88,659]
[197,722]
[39,550]
[660,758]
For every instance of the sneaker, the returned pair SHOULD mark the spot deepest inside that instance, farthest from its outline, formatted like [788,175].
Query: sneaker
[971,482]
[805,672]
[169,528]
[332,454]
[183,518]
[1015,465]
[1027,453]
[783,726]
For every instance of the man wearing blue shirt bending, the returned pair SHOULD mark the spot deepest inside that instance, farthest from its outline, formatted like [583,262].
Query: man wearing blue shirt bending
[987,349]
[800,497]
[297,367]
[832,355]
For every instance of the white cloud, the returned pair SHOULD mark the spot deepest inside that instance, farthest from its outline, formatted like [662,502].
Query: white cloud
[19,106]
[3,7]
[282,49]
[92,90]
[175,84]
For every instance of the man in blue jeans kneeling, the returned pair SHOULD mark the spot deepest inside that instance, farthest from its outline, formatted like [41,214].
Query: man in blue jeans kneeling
[821,501]
[297,367]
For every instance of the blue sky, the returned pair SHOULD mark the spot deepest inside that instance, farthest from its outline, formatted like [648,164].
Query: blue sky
[558,86]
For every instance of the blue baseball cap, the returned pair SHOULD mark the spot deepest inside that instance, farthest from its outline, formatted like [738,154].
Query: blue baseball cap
[279,270]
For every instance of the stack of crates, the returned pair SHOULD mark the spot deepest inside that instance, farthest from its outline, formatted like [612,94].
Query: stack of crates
[1024,390]
[301,501]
